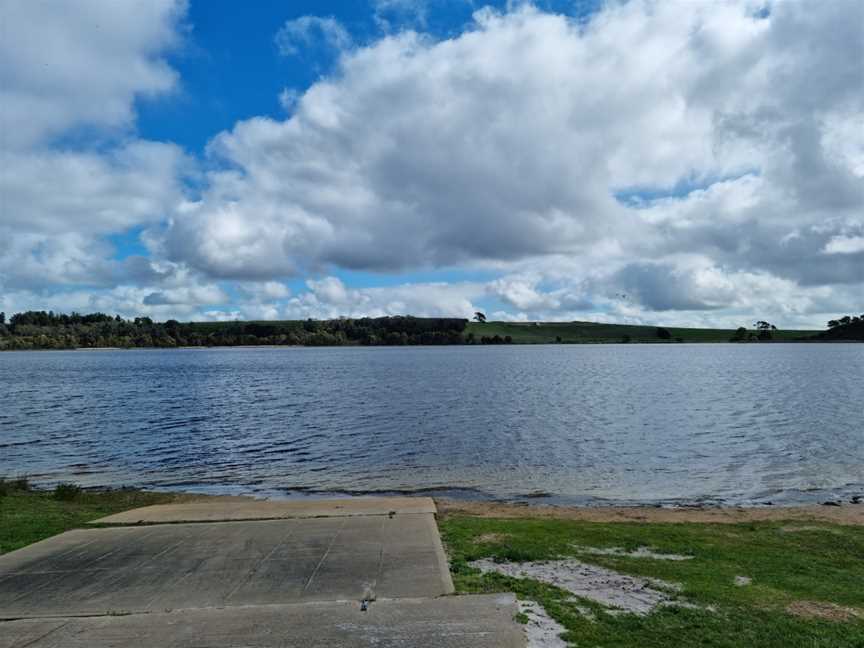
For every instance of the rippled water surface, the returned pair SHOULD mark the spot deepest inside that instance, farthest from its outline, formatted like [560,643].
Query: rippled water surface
[580,424]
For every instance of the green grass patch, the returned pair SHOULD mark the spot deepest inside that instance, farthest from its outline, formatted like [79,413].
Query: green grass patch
[27,516]
[787,563]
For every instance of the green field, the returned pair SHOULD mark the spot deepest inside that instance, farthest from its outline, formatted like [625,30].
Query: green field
[27,516]
[589,332]
[805,588]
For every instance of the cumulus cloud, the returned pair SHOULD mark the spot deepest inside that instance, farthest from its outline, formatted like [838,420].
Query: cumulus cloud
[391,15]
[702,158]
[330,298]
[91,192]
[845,245]
[65,65]
[512,140]
[66,69]
[307,30]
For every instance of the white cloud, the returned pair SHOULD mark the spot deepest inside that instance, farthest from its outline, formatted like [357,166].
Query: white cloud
[288,99]
[392,15]
[306,30]
[508,142]
[198,295]
[259,291]
[330,298]
[845,245]
[65,65]
[522,293]
[90,192]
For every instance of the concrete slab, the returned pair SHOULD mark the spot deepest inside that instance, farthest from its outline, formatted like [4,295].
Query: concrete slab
[252,575]
[163,567]
[219,511]
[484,621]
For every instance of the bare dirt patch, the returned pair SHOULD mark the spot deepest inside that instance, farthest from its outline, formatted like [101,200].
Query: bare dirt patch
[541,630]
[826,611]
[640,552]
[604,586]
[847,514]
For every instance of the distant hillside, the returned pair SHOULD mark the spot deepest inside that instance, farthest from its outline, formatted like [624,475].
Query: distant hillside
[593,333]
[47,330]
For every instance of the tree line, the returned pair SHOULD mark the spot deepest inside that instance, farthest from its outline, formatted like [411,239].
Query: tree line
[48,330]
[845,321]
[846,328]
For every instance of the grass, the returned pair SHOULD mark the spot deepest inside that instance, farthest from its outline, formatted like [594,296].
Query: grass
[27,516]
[816,562]
[788,564]
[590,332]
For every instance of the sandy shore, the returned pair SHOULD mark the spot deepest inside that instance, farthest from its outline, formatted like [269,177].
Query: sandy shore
[851,514]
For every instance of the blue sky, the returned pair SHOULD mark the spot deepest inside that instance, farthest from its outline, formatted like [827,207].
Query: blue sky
[535,160]
[232,70]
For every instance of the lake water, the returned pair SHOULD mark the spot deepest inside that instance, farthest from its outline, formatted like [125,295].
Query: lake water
[564,424]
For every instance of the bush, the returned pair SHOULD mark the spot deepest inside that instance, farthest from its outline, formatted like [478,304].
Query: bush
[20,483]
[17,484]
[66,492]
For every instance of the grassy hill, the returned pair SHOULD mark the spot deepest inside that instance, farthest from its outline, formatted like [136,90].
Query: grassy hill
[590,332]
[48,330]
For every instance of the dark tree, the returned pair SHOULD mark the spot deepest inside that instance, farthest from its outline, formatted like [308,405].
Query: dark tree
[765,329]
[2,318]
[663,333]
[479,317]
[740,335]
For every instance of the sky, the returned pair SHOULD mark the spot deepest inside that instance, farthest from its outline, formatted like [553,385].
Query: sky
[676,162]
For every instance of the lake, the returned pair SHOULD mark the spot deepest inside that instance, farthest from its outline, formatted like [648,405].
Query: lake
[669,424]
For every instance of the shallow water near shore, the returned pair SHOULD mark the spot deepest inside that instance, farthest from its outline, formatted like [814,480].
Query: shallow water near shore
[606,424]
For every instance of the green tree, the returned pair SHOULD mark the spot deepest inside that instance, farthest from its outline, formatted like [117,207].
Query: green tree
[765,329]
[740,335]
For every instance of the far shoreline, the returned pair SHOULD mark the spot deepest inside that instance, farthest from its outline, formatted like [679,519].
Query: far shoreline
[438,346]
[845,513]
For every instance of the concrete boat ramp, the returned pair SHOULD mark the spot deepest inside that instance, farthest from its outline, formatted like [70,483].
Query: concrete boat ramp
[352,573]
